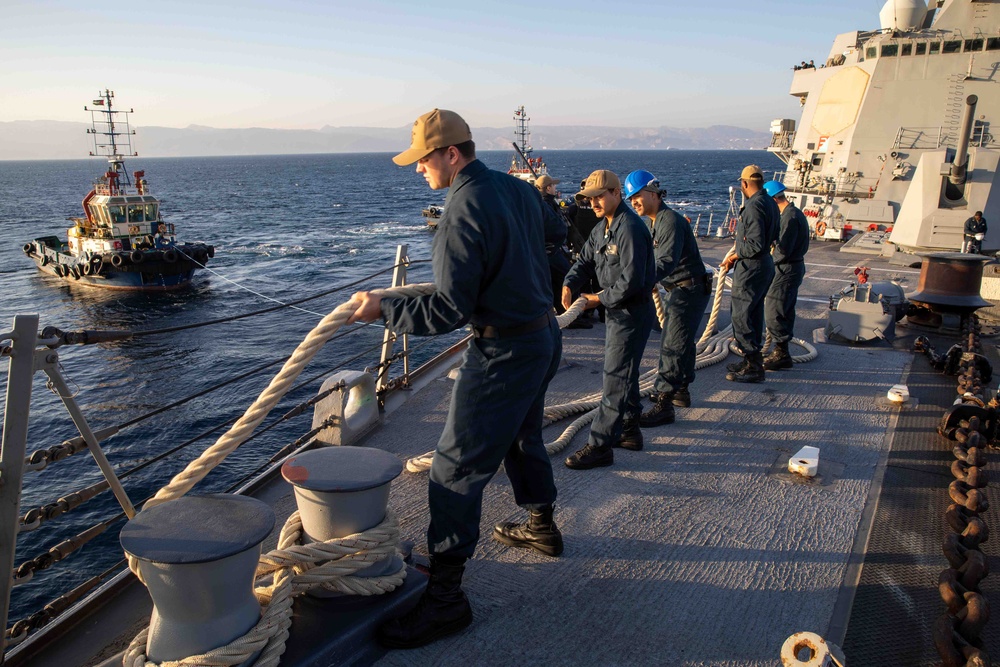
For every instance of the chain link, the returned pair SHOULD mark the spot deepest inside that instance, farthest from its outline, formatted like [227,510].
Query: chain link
[958,632]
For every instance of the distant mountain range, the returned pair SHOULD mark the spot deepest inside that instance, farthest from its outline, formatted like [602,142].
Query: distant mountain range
[43,139]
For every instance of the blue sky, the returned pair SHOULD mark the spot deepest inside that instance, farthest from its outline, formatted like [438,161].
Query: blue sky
[298,64]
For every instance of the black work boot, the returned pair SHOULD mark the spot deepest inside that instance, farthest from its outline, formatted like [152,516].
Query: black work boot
[779,358]
[662,411]
[591,456]
[442,610]
[631,437]
[682,397]
[753,371]
[539,532]
[737,366]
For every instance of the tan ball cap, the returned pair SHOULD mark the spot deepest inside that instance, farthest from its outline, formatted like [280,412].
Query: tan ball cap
[598,182]
[435,129]
[750,171]
[545,181]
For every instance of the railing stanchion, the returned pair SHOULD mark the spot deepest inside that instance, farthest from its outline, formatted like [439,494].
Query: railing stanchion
[12,452]
[398,280]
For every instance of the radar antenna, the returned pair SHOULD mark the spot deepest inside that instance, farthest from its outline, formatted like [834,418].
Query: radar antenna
[112,135]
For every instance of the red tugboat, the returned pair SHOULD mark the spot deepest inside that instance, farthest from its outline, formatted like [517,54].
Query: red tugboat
[122,242]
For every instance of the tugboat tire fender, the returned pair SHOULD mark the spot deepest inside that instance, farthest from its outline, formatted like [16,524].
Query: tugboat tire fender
[87,268]
[117,259]
[44,260]
[136,257]
[170,256]
[27,248]
[75,270]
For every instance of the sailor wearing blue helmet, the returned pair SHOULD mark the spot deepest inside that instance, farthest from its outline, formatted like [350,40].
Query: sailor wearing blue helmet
[756,231]
[789,270]
[682,273]
[619,256]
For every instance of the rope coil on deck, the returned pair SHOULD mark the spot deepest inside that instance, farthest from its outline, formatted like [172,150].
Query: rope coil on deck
[712,348]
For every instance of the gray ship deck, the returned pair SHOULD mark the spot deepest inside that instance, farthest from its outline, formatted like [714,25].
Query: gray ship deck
[701,549]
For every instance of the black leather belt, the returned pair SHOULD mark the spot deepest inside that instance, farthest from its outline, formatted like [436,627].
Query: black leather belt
[706,278]
[489,331]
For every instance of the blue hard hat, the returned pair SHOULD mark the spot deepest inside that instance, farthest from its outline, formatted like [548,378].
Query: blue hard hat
[773,187]
[638,180]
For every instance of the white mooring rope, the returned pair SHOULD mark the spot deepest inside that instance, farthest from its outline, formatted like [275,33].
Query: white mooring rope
[291,568]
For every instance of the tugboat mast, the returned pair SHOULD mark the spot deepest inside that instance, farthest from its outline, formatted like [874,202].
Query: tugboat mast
[108,139]
[521,135]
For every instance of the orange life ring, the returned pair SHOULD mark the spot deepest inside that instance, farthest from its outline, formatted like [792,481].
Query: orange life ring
[820,228]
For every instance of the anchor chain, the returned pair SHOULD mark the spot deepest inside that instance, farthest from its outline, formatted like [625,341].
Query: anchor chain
[973,371]
[958,632]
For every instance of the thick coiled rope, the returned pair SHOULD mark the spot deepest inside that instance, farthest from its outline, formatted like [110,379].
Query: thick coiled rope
[292,568]
[330,565]
[711,349]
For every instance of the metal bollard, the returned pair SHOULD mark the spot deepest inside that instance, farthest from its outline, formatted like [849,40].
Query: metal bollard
[354,408]
[198,556]
[341,491]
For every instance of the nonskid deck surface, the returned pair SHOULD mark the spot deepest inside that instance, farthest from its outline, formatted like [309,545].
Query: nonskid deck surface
[699,550]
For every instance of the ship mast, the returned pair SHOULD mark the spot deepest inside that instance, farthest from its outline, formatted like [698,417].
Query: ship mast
[521,135]
[112,138]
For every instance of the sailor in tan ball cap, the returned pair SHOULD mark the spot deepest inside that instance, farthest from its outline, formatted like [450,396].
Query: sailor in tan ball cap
[618,255]
[756,231]
[490,271]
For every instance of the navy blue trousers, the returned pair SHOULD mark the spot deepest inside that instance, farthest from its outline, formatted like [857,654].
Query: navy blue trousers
[685,307]
[626,333]
[751,280]
[495,417]
[779,305]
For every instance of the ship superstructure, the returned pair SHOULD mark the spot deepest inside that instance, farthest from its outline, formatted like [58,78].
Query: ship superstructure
[896,129]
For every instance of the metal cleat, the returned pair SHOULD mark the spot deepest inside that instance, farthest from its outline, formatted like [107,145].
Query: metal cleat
[341,491]
[197,556]
[354,408]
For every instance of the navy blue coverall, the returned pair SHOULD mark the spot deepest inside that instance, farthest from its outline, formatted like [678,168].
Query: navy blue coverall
[756,230]
[490,270]
[789,270]
[620,258]
[555,250]
[682,273]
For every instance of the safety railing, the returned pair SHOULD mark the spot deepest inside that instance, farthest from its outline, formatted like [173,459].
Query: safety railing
[29,350]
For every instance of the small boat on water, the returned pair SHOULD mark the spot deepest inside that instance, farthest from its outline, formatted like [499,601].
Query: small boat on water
[433,213]
[122,241]
[522,165]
